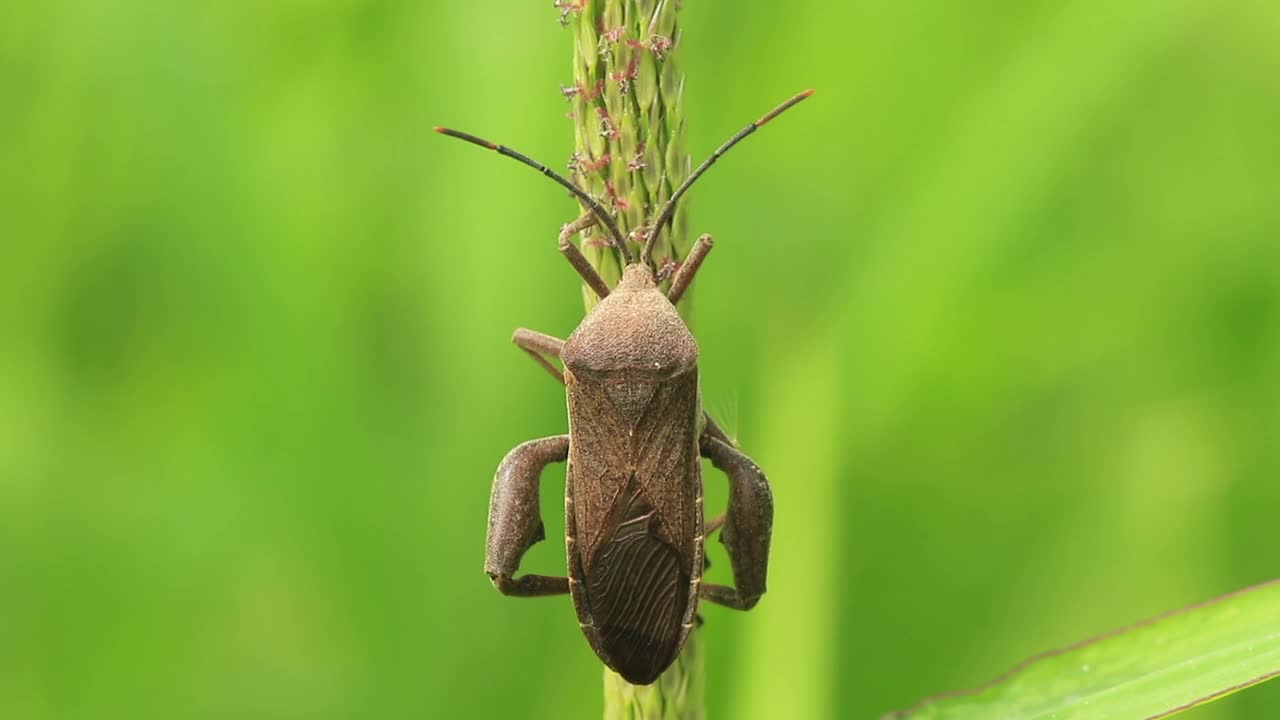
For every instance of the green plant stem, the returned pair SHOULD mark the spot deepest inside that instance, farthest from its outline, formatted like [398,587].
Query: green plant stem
[629,152]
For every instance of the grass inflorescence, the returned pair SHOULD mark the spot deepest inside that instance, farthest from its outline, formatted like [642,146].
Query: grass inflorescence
[627,108]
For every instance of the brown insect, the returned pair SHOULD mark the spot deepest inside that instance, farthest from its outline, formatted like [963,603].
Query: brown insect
[633,494]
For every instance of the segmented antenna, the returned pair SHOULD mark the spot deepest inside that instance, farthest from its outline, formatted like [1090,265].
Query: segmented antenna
[646,256]
[577,191]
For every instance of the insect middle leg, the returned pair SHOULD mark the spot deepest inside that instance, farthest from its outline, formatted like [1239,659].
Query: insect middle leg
[539,346]
[748,526]
[515,523]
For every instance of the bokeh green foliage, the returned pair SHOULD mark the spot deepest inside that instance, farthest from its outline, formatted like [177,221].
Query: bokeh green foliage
[998,310]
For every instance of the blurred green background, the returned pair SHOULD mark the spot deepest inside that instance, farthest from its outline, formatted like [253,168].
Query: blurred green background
[998,310]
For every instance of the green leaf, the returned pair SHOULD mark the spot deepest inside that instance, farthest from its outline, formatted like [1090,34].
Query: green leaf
[1151,670]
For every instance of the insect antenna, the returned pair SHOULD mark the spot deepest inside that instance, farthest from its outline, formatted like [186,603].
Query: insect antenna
[646,256]
[577,191]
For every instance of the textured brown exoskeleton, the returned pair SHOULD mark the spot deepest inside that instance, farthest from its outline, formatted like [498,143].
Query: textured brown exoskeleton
[633,495]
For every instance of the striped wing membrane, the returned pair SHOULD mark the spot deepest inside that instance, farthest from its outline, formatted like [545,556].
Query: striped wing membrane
[638,589]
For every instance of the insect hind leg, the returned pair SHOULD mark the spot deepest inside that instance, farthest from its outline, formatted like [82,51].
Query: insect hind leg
[748,526]
[515,522]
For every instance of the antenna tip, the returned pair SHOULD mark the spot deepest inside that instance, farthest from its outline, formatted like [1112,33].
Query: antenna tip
[807,93]
[465,136]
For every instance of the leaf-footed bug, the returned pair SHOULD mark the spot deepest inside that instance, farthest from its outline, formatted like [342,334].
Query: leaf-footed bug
[634,521]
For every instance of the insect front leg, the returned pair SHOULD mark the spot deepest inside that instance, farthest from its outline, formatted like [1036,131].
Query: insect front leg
[577,259]
[515,522]
[684,276]
[748,526]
